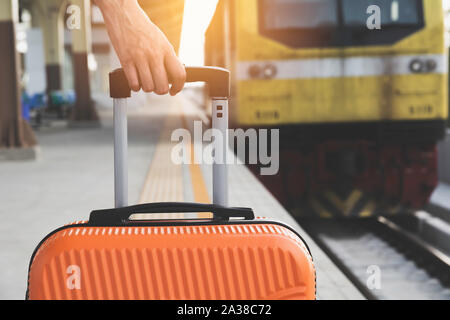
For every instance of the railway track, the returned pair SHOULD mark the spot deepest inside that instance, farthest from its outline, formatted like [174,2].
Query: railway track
[384,259]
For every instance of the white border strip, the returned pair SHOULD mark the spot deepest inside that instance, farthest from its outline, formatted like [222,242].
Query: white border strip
[343,67]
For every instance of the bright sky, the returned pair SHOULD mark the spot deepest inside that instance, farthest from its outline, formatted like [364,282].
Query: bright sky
[197,15]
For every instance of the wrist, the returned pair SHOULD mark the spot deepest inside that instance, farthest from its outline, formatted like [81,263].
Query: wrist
[107,6]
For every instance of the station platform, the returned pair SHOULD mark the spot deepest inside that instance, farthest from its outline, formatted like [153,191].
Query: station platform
[74,175]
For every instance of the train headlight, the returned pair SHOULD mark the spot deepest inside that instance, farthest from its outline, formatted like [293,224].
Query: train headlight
[431,65]
[254,71]
[269,71]
[417,66]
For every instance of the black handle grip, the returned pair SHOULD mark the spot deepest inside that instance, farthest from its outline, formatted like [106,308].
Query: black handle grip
[218,80]
[120,216]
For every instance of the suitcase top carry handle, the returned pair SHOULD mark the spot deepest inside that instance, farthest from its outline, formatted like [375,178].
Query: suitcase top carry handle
[120,216]
[218,80]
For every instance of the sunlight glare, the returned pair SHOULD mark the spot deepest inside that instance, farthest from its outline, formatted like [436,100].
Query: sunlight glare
[197,15]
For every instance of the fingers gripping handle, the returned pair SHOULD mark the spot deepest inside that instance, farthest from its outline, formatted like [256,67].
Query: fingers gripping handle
[218,81]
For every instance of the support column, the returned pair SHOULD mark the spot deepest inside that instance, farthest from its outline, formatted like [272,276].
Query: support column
[53,31]
[17,140]
[84,113]
[52,26]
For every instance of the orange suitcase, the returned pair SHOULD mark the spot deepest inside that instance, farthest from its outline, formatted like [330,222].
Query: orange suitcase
[230,256]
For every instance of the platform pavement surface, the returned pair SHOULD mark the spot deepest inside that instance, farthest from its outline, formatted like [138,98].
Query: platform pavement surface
[73,175]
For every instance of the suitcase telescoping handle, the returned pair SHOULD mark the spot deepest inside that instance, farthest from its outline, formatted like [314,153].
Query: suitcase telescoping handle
[218,81]
[120,216]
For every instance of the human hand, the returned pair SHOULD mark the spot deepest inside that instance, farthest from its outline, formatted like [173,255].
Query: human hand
[147,57]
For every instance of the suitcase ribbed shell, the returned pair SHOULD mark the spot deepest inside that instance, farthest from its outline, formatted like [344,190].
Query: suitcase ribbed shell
[235,261]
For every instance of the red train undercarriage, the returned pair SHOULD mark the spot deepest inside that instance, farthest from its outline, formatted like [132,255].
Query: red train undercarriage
[403,175]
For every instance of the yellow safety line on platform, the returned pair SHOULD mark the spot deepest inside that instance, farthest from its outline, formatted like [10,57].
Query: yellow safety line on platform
[164,179]
[198,182]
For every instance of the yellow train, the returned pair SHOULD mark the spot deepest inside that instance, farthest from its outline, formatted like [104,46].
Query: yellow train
[358,89]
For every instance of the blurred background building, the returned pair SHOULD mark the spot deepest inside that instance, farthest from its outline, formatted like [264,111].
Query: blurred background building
[62,57]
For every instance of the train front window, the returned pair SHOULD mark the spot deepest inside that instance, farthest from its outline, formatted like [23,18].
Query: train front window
[338,23]
[299,23]
[393,12]
[287,14]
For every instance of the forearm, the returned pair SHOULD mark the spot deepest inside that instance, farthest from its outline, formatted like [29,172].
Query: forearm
[110,6]
[113,10]
[143,50]
[122,20]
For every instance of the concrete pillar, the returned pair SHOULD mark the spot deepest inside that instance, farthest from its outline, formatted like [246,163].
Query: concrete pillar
[50,15]
[53,31]
[84,112]
[17,140]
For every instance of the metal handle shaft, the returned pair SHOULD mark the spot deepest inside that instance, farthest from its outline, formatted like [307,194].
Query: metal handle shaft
[220,169]
[120,153]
